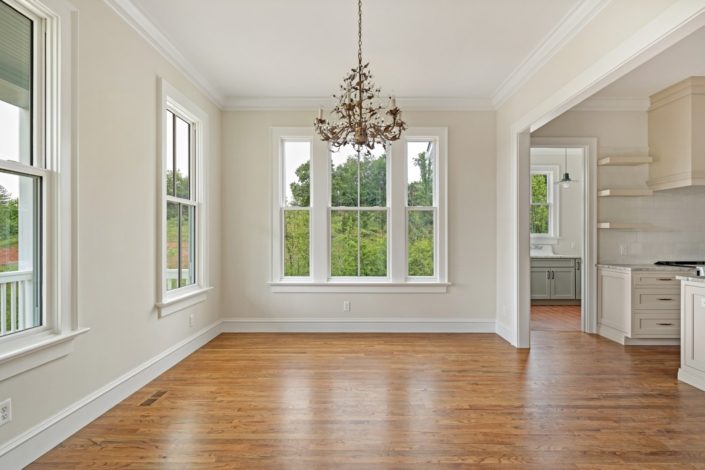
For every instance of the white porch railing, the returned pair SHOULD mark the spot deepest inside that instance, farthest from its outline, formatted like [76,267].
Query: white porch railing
[16,312]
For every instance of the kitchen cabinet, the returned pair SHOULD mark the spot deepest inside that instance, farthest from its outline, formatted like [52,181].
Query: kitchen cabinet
[554,278]
[692,368]
[639,305]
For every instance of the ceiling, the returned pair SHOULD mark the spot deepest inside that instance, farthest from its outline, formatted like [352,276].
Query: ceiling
[682,60]
[299,49]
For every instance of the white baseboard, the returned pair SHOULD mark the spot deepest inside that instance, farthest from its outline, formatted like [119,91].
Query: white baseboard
[32,444]
[617,336]
[504,333]
[284,325]
[691,377]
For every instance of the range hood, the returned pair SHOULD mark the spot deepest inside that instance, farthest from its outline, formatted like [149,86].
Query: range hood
[677,135]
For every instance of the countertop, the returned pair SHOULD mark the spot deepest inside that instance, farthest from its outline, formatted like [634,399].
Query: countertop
[645,267]
[691,279]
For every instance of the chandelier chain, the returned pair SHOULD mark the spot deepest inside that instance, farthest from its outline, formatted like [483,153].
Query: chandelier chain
[359,33]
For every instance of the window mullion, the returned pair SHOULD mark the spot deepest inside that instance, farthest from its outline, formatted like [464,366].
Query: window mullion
[396,181]
[319,219]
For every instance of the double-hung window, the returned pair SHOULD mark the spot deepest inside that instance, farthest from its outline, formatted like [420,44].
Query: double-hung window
[543,213]
[37,310]
[353,222]
[181,242]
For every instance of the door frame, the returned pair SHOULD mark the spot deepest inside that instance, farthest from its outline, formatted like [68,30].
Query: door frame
[588,268]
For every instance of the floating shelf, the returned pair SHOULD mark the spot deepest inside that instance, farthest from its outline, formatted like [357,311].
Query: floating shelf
[624,160]
[636,192]
[624,226]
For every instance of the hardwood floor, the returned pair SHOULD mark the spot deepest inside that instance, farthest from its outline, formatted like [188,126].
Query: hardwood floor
[555,318]
[305,401]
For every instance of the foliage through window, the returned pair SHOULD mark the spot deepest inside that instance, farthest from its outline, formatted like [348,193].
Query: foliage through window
[541,203]
[421,208]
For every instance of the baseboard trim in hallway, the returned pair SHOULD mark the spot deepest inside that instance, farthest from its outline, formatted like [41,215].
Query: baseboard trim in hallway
[35,442]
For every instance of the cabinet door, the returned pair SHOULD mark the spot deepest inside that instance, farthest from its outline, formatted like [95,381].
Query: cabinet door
[563,283]
[578,279]
[693,328]
[540,283]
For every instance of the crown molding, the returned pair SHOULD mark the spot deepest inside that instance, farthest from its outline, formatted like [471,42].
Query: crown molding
[133,16]
[570,25]
[613,104]
[314,103]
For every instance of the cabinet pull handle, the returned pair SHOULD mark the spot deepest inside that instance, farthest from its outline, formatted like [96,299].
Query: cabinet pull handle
[664,324]
[664,299]
[665,279]
[548,274]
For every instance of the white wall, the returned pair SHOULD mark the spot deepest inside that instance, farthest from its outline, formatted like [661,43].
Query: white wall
[678,215]
[246,217]
[117,211]
[569,200]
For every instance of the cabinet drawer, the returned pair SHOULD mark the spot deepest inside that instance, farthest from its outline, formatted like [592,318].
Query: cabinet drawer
[655,279]
[552,262]
[656,299]
[656,325]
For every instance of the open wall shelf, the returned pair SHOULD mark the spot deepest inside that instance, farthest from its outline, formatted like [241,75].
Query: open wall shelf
[624,160]
[624,192]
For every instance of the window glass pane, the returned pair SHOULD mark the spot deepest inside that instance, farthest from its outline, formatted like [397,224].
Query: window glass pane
[420,173]
[297,174]
[15,85]
[296,242]
[421,239]
[373,178]
[20,279]
[343,256]
[373,243]
[183,157]
[187,245]
[169,163]
[344,178]
[539,188]
[539,219]
[172,245]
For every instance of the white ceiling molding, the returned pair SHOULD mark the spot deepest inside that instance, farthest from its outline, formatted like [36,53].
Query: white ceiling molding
[312,104]
[135,18]
[564,31]
[613,104]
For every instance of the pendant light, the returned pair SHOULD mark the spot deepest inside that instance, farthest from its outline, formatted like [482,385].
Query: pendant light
[566,181]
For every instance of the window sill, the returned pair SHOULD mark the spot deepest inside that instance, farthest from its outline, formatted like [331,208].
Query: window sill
[182,301]
[360,287]
[36,350]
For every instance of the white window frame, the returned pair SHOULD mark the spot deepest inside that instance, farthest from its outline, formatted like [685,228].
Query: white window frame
[397,280]
[54,151]
[551,171]
[171,99]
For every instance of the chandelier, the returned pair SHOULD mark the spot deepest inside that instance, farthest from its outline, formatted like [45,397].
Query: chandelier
[362,121]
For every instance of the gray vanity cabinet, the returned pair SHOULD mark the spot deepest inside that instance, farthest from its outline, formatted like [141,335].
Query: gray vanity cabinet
[554,278]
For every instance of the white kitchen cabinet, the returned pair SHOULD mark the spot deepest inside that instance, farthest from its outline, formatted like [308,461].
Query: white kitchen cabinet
[639,305]
[692,369]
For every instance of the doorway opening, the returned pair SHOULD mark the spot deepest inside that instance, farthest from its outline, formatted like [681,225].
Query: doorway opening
[558,200]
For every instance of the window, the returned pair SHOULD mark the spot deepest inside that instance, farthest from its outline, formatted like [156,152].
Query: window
[373,221]
[542,216]
[37,310]
[182,244]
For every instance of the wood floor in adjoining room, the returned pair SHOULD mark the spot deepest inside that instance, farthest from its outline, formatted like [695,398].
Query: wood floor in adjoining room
[555,318]
[307,401]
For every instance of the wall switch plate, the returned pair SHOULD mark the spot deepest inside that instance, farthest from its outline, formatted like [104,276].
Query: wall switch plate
[190,319]
[346,306]
[5,411]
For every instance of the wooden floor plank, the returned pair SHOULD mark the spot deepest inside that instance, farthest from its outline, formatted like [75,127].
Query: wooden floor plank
[401,401]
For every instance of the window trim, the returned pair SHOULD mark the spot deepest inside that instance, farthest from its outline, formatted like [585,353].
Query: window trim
[54,146]
[553,205]
[172,301]
[397,279]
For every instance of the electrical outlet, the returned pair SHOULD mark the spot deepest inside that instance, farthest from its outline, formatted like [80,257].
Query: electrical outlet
[190,320]
[346,306]
[5,412]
